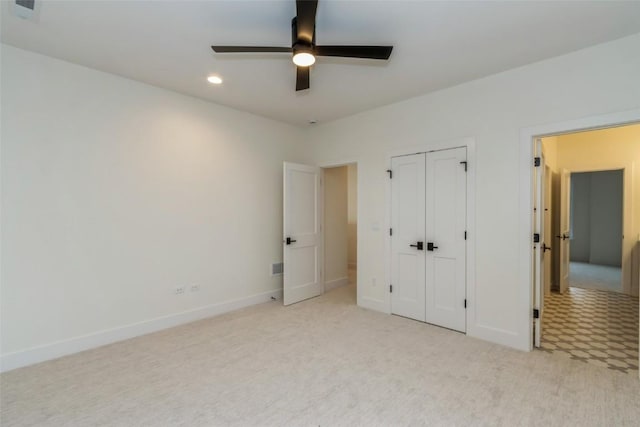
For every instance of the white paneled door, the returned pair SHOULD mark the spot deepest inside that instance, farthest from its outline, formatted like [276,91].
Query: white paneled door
[539,245]
[446,218]
[302,238]
[407,239]
[428,237]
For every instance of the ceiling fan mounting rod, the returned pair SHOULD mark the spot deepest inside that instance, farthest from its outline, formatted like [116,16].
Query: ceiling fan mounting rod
[298,42]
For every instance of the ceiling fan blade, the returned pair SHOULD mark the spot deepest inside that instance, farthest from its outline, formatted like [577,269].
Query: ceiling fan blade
[370,52]
[306,19]
[242,49]
[302,78]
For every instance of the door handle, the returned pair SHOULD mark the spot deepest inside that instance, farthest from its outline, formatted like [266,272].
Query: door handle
[430,246]
[563,237]
[418,245]
[545,248]
[290,240]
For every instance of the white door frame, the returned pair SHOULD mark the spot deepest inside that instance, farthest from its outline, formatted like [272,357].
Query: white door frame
[470,144]
[525,232]
[337,164]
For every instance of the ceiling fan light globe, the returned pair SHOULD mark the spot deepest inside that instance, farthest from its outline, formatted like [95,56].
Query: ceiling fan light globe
[304,59]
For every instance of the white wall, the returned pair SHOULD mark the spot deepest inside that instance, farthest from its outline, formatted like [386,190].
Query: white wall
[494,111]
[114,193]
[335,226]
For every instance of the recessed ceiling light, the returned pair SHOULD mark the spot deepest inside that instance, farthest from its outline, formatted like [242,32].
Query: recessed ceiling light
[214,80]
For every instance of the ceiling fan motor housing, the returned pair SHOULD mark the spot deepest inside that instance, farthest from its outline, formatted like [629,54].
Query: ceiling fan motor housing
[298,44]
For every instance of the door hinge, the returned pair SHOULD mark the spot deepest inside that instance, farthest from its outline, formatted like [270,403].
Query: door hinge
[465,303]
[390,288]
[536,238]
[536,161]
[465,235]
[464,162]
[536,313]
[391,232]
[390,172]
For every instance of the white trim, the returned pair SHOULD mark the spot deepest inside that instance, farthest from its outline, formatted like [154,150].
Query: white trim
[473,329]
[335,283]
[373,304]
[57,349]
[525,237]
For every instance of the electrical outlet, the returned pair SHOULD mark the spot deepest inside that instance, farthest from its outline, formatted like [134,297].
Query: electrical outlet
[194,288]
[179,290]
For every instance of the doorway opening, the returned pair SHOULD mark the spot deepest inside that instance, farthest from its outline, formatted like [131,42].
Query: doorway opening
[587,246]
[319,227]
[341,231]
[596,206]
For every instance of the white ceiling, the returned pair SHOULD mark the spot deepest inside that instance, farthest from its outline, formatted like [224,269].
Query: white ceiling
[437,45]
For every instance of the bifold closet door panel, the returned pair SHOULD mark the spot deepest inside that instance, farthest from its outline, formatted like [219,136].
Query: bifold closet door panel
[446,211]
[408,230]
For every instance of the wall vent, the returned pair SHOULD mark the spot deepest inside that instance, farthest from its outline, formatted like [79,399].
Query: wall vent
[29,4]
[277,269]
[25,9]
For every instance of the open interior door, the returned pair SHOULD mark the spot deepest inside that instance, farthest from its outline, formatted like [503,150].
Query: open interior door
[565,229]
[302,239]
[538,242]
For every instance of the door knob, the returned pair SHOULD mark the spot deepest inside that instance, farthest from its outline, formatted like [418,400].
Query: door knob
[418,245]
[430,246]
[290,240]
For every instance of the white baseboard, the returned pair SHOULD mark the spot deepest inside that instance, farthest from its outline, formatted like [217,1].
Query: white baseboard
[373,304]
[335,283]
[54,350]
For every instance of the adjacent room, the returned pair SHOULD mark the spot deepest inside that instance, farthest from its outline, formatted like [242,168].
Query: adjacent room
[333,212]
[590,309]
[341,227]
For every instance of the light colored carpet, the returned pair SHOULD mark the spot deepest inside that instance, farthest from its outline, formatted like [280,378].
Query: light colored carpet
[593,276]
[322,362]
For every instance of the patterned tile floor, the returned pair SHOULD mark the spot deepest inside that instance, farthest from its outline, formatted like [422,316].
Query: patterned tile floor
[592,326]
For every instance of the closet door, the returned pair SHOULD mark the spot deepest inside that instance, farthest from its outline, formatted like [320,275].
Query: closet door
[407,239]
[445,246]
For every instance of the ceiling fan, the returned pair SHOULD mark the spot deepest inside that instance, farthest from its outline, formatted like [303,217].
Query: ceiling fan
[304,48]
